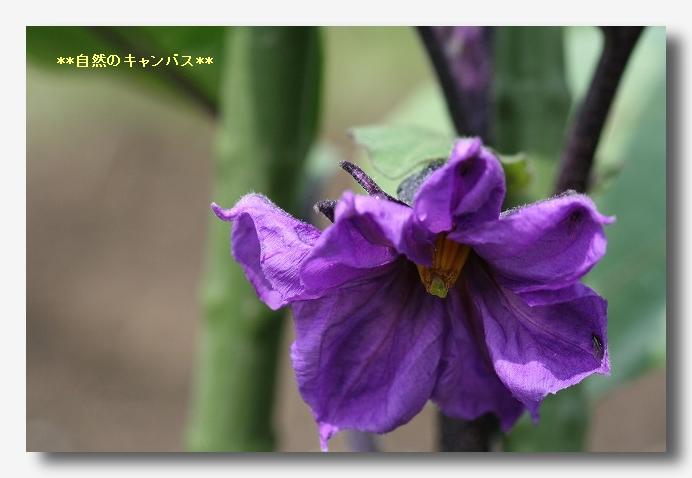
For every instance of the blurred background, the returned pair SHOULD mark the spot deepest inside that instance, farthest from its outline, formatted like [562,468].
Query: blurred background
[119,181]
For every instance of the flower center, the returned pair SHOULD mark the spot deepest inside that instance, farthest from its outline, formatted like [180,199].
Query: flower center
[448,259]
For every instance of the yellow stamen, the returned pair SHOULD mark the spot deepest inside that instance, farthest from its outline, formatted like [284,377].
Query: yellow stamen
[448,259]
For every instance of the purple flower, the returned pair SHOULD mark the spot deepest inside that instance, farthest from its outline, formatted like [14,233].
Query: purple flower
[448,299]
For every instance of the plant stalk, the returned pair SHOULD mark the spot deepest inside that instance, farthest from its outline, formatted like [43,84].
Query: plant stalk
[268,121]
[583,138]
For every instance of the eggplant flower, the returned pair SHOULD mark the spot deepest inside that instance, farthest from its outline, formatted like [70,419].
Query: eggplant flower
[447,299]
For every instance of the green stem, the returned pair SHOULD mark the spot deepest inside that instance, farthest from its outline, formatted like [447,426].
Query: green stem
[268,120]
[530,90]
[531,100]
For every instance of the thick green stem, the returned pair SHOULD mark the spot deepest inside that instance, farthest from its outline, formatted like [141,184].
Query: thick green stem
[268,120]
[531,99]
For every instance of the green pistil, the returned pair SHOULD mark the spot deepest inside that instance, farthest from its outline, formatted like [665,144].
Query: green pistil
[438,288]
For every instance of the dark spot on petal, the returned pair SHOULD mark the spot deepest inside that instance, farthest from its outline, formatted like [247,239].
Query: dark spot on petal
[465,167]
[576,215]
[575,220]
[597,344]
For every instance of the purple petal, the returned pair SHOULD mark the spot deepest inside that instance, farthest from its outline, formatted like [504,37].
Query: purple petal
[326,431]
[270,245]
[468,386]
[544,341]
[466,191]
[549,244]
[368,233]
[366,355]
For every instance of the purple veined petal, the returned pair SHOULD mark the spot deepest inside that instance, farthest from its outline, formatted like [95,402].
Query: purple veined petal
[466,191]
[366,355]
[368,233]
[543,341]
[270,245]
[544,245]
[467,386]
[326,432]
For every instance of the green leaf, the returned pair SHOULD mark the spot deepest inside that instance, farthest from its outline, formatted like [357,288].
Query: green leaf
[199,83]
[399,150]
[425,107]
[396,150]
[517,170]
[520,177]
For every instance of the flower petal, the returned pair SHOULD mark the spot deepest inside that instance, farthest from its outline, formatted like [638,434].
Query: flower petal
[545,245]
[467,190]
[542,342]
[366,355]
[326,431]
[368,233]
[467,386]
[270,245]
